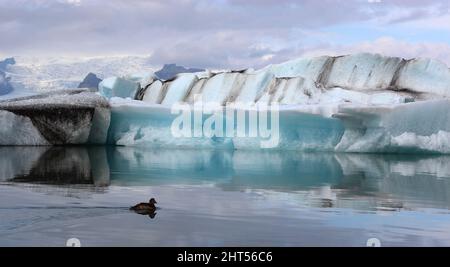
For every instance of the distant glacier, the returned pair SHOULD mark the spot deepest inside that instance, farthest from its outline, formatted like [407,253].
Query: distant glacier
[34,75]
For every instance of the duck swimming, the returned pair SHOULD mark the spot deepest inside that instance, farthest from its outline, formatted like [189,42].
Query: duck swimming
[145,208]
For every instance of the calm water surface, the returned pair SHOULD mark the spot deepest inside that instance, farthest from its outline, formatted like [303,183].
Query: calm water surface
[221,198]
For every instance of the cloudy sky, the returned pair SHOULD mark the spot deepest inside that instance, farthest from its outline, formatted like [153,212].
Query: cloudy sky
[224,33]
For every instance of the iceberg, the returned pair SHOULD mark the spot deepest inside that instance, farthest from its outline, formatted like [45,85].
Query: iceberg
[117,87]
[420,127]
[57,118]
[354,103]
[356,79]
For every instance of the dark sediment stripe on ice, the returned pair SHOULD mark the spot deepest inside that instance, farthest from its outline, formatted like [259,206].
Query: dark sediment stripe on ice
[273,88]
[141,92]
[163,93]
[394,82]
[324,76]
[283,94]
[269,89]
[238,83]
[189,90]
[200,82]
[205,81]
[57,124]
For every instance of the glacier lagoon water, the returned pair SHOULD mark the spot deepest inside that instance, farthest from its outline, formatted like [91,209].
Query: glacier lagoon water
[221,197]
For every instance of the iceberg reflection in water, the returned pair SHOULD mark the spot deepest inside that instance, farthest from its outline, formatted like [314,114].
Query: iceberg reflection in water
[211,197]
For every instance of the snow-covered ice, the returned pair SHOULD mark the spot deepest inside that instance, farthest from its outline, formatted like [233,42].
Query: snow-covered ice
[43,74]
[358,79]
[63,117]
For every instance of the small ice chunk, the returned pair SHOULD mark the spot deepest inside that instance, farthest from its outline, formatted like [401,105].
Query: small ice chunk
[118,87]
[144,78]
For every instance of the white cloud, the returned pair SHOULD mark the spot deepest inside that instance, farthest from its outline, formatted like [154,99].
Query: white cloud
[434,23]
[72,2]
[389,46]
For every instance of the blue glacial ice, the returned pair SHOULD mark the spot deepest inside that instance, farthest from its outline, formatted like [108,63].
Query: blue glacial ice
[356,103]
[118,87]
[135,123]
